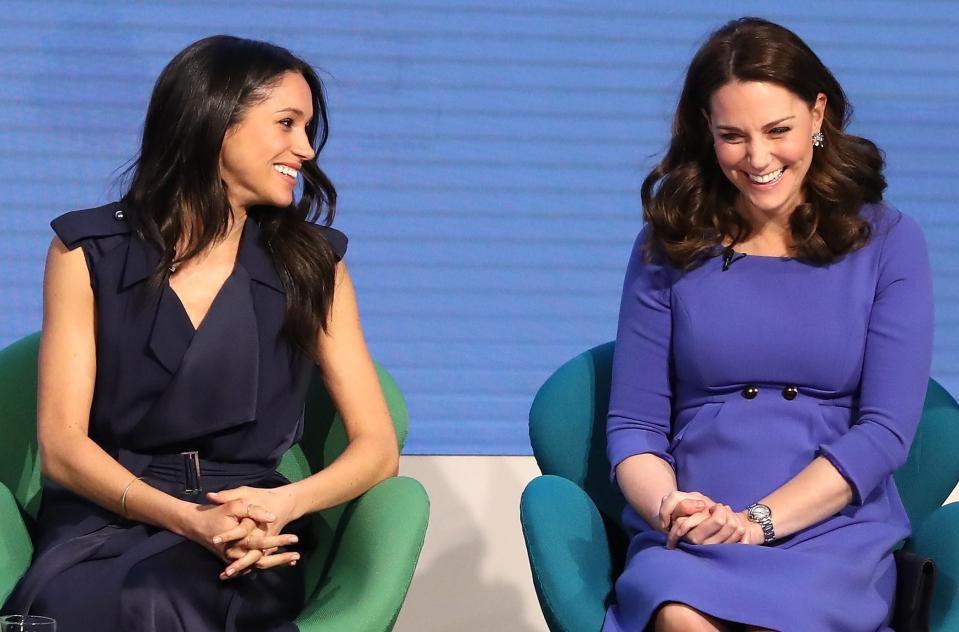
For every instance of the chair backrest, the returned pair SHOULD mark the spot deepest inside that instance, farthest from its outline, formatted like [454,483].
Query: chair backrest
[19,455]
[568,434]
[324,437]
[932,470]
[567,427]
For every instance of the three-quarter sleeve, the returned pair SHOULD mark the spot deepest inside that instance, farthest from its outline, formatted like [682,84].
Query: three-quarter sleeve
[640,403]
[896,364]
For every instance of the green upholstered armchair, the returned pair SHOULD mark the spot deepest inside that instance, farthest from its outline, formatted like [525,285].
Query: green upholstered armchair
[367,548]
[571,515]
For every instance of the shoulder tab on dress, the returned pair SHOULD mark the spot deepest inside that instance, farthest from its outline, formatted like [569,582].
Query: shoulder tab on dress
[101,221]
[337,240]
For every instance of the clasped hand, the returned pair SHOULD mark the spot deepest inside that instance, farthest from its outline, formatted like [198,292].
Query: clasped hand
[700,520]
[244,528]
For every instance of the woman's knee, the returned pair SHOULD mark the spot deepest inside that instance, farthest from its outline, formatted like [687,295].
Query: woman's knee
[682,618]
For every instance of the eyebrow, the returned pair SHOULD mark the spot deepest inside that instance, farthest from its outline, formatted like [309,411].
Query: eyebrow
[293,110]
[766,126]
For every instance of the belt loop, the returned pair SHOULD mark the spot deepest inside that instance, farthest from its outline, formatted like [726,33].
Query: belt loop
[192,483]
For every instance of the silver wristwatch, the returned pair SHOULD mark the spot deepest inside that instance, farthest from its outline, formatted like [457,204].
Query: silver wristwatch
[763,516]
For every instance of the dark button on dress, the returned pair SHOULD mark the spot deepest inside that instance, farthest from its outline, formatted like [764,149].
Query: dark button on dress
[233,390]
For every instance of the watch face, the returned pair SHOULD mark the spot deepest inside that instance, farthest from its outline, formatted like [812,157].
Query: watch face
[759,512]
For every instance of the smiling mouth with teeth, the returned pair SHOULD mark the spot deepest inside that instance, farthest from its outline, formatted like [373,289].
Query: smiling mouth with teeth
[769,178]
[287,171]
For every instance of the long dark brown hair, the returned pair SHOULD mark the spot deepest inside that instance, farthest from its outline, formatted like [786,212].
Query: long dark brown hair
[688,202]
[175,186]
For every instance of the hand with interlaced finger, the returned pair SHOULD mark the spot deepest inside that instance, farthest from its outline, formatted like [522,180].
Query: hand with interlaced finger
[256,545]
[204,525]
[717,525]
[258,549]
[677,504]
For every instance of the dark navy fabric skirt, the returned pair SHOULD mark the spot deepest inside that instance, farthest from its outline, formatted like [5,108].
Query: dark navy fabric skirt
[95,571]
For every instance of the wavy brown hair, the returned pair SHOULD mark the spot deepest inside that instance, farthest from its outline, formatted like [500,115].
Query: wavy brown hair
[175,183]
[688,202]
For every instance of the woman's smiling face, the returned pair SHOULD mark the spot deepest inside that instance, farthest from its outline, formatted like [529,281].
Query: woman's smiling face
[262,154]
[762,134]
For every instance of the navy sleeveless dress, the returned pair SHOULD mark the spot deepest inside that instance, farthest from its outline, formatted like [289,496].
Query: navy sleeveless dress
[232,390]
[739,378]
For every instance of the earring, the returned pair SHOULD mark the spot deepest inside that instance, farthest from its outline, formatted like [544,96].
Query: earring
[817,139]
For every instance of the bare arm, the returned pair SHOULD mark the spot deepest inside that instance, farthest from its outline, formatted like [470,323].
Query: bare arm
[816,493]
[645,480]
[649,485]
[350,377]
[67,375]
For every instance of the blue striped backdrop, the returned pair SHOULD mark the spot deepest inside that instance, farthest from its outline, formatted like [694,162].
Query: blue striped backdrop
[488,157]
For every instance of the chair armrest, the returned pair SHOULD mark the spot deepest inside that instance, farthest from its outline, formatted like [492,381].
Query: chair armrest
[936,538]
[568,553]
[371,566]
[16,549]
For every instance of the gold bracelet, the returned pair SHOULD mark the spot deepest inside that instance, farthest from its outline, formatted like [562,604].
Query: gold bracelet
[123,496]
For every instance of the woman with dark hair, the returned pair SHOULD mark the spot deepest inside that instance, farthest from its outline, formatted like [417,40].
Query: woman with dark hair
[772,357]
[181,328]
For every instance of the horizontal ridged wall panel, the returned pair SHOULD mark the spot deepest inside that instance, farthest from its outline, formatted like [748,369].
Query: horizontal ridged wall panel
[488,158]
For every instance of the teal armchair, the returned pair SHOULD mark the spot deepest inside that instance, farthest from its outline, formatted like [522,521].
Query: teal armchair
[357,577]
[571,514]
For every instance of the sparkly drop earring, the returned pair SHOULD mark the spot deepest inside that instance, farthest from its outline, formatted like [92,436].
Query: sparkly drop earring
[817,139]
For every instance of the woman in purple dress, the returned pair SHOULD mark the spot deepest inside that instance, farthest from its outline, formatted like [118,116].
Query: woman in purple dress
[772,357]
[181,329]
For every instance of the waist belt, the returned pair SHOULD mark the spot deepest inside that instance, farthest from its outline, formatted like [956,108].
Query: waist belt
[185,474]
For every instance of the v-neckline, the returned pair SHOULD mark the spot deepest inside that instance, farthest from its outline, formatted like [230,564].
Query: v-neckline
[236,262]
[216,297]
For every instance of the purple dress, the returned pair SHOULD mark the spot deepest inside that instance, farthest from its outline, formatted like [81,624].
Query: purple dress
[232,390]
[854,338]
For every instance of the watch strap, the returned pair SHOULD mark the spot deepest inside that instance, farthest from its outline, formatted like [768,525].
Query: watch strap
[765,522]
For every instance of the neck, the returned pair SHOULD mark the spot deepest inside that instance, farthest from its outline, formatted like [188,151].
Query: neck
[769,233]
[761,221]
[237,220]
[233,233]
